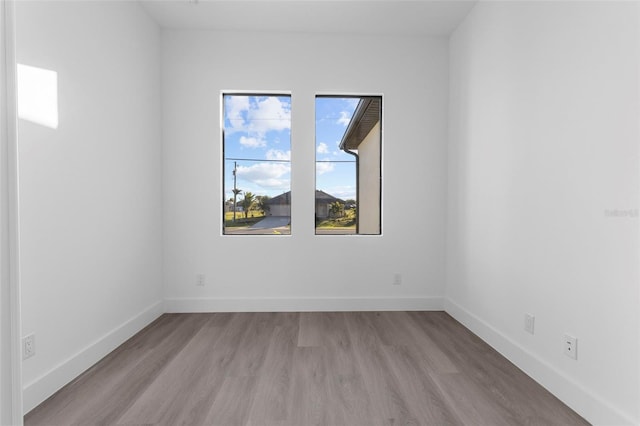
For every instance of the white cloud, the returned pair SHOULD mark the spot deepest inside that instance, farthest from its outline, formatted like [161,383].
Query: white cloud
[258,117]
[280,184]
[338,151]
[269,114]
[322,148]
[266,175]
[343,192]
[276,154]
[322,168]
[352,103]
[234,107]
[344,119]
[252,142]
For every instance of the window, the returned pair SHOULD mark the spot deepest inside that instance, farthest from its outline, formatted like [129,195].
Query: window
[348,165]
[256,140]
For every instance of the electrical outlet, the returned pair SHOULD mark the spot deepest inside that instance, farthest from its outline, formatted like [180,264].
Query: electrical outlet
[397,279]
[200,280]
[571,346]
[28,346]
[529,321]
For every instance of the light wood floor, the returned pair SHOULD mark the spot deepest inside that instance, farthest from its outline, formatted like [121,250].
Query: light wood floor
[361,368]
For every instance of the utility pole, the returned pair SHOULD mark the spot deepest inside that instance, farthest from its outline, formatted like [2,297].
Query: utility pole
[235,190]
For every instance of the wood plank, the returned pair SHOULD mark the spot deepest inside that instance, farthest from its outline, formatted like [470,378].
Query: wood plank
[329,330]
[388,404]
[418,388]
[396,328]
[271,405]
[92,398]
[308,394]
[233,402]
[310,330]
[252,347]
[169,393]
[205,373]
[348,399]
[473,405]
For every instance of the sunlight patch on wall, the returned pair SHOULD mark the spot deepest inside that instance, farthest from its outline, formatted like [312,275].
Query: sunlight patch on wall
[38,95]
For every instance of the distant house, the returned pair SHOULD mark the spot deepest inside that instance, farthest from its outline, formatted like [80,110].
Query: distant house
[323,200]
[228,207]
[281,205]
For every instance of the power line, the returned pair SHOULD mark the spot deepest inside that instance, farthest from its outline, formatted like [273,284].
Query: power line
[285,161]
[257,159]
[259,119]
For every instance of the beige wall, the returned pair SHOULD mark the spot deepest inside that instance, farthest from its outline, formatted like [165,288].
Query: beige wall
[369,181]
[280,210]
[322,210]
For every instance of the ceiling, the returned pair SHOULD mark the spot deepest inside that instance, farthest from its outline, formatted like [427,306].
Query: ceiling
[397,17]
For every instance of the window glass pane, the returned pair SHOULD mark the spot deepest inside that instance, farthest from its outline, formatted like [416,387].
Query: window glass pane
[348,165]
[257,164]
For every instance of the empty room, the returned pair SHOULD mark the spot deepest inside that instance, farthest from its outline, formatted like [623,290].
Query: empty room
[320,212]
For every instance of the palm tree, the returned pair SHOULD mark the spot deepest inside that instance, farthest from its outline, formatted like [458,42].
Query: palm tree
[236,191]
[336,209]
[247,203]
[262,203]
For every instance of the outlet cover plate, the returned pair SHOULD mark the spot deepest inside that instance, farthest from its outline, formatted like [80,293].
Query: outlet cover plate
[397,279]
[28,346]
[529,322]
[571,346]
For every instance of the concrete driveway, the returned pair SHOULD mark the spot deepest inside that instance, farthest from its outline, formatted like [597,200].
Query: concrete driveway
[272,222]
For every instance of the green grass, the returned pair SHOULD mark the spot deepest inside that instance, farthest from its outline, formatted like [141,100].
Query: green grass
[348,221]
[241,220]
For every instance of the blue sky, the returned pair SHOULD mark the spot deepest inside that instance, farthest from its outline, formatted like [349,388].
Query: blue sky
[333,174]
[259,128]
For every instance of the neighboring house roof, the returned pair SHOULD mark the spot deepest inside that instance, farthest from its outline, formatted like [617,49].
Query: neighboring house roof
[365,117]
[320,196]
[280,199]
[326,198]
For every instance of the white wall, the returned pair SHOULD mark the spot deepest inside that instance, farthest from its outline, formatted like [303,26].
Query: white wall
[304,271]
[544,148]
[5,290]
[10,371]
[90,189]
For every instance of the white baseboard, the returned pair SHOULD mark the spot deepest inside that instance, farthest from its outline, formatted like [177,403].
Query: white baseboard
[319,304]
[582,400]
[46,385]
